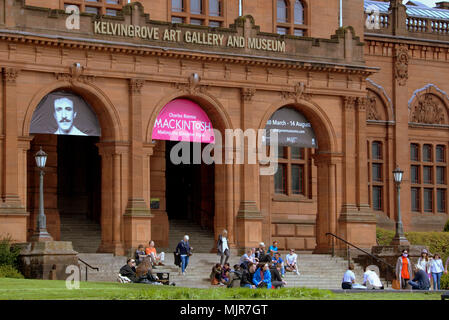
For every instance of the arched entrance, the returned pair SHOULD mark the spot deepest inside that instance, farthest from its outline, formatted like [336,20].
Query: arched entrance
[189,200]
[304,188]
[77,203]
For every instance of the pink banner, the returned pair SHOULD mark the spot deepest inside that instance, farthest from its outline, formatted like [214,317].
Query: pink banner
[183,120]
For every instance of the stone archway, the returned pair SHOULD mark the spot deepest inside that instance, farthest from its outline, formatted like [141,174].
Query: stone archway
[326,159]
[108,149]
[223,174]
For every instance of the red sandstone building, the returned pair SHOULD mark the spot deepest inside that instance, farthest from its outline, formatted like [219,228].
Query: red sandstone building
[375,97]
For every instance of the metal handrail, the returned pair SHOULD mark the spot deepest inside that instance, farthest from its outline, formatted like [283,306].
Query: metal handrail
[88,265]
[365,252]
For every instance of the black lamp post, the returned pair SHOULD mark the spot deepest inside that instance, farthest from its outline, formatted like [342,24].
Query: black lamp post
[41,233]
[399,238]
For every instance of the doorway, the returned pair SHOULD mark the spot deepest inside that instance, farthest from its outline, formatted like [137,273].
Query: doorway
[79,191]
[190,189]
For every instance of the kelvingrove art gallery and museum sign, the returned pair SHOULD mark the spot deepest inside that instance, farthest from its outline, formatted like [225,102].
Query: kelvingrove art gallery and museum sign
[187,36]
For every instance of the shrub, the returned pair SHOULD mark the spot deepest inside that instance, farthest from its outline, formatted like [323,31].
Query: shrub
[445,282]
[8,254]
[446,226]
[437,242]
[8,271]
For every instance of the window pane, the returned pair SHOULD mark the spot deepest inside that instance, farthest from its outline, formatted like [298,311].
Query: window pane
[214,24]
[415,199]
[414,174]
[177,5]
[281,30]
[297,179]
[197,22]
[297,153]
[440,154]
[214,8]
[377,198]
[299,32]
[281,11]
[377,172]
[177,20]
[441,173]
[441,200]
[92,10]
[280,182]
[299,12]
[112,1]
[414,154]
[111,12]
[281,152]
[427,153]
[428,200]
[377,150]
[196,7]
[427,175]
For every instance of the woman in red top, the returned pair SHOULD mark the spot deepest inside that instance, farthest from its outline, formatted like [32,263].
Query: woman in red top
[403,269]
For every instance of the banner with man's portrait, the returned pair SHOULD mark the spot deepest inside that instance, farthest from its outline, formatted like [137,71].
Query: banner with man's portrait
[65,113]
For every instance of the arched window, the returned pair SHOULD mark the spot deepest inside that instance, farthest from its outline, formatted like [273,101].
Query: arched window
[177,5]
[282,13]
[299,12]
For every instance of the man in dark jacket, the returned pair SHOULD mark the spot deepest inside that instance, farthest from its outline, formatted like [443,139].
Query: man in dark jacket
[420,281]
[276,279]
[247,277]
[184,250]
[129,270]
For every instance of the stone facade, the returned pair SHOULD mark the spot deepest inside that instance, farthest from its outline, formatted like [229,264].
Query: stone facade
[339,83]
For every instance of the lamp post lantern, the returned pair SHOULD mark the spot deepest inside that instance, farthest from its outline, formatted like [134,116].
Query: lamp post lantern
[41,233]
[399,238]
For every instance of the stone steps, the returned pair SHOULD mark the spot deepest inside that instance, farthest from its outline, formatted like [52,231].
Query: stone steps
[84,234]
[317,271]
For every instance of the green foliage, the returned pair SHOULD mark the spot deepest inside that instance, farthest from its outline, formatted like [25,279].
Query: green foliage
[8,254]
[446,226]
[445,282]
[437,242]
[7,271]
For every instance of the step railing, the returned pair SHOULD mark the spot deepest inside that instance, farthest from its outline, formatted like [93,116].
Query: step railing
[88,266]
[361,250]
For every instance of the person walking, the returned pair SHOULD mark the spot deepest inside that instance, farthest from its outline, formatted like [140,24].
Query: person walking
[436,268]
[223,247]
[403,269]
[184,250]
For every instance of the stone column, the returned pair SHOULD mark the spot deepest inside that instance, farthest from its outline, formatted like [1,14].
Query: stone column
[13,216]
[249,218]
[357,222]
[327,201]
[137,216]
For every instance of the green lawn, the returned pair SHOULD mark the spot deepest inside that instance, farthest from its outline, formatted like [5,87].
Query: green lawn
[44,289]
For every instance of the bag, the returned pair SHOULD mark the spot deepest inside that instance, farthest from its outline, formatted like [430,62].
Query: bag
[177,259]
[396,284]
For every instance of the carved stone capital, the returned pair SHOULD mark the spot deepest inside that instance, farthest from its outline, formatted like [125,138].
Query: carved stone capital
[10,74]
[361,103]
[349,102]
[135,85]
[248,93]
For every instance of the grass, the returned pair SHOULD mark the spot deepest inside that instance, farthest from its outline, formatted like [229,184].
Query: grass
[18,289]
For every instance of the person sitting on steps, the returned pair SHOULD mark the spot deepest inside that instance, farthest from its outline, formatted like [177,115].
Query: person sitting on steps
[140,254]
[247,276]
[156,258]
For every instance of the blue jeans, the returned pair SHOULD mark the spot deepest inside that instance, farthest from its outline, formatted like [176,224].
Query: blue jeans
[247,286]
[184,262]
[436,280]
